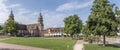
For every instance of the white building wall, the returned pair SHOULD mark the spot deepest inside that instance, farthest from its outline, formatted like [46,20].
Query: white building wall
[118,34]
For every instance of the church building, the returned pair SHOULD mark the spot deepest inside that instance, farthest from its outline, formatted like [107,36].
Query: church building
[35,30]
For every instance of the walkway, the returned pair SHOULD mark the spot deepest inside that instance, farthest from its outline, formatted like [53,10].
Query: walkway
[5,46]
[79,45]
[6,38]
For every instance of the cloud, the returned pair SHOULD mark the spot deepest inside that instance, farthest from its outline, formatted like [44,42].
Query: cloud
[53,19]
[22,15]
[3,11]
[14,6]
[73,6]
[25,16]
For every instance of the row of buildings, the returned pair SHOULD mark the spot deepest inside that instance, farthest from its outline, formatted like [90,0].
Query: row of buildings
[36,29]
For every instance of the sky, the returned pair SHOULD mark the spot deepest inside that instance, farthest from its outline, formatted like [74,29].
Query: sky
[53,11]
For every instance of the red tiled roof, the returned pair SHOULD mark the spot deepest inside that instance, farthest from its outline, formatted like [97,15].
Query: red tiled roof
[53,29]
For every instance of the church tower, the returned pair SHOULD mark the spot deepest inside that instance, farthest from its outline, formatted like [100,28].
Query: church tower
[40,25]
[11,16]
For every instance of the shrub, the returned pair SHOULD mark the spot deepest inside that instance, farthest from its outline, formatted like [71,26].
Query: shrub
[93,38]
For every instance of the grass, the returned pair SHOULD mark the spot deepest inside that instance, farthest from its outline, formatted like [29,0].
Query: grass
[100,47]
[49,43]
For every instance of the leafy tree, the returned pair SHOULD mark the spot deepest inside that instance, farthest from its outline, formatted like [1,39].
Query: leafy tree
[117,14]
[73,25]
[86,30]
[0,27]
[102,19]
[10,26]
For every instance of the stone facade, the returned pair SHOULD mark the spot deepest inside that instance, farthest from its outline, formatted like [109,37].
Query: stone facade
[30,29]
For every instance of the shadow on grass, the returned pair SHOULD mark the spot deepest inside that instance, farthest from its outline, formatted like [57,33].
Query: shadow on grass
[117,44]
[110,45]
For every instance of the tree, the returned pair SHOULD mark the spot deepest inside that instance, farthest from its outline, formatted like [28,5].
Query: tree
[0,27]
[102,19]
[117,14]
[10,26]
[86,31]
[73,25]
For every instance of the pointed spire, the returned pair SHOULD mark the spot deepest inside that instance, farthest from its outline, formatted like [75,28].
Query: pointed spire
[40,15]
[40,18]
[11,14]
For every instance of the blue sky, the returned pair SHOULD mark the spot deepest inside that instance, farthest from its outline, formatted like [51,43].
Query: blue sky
[53,11]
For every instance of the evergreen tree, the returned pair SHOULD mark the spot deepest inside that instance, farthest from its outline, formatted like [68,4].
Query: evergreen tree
[102,19]
[73,25]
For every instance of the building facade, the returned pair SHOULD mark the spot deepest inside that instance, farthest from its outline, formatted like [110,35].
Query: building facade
[54,32]
[30,29]
[118,30]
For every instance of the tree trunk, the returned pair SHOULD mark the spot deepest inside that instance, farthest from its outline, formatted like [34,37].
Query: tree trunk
[104,40]
[72,36]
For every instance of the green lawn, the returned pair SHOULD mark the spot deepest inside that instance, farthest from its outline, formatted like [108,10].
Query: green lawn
[49,43]
[100,47]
